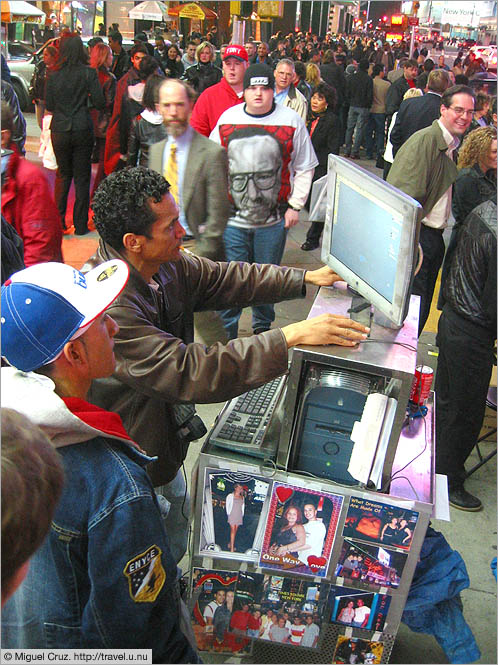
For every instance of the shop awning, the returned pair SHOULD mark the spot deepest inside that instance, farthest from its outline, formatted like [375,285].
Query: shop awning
[19,12]
[193,10]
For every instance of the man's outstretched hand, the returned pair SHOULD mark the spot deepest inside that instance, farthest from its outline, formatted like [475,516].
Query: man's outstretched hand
[325,329]
[322,277]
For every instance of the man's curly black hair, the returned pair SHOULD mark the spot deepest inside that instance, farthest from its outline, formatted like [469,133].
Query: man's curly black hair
[120,204]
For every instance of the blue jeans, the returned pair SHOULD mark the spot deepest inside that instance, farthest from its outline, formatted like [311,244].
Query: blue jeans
[376,124]
[176,520]
[357,121]
[261,245]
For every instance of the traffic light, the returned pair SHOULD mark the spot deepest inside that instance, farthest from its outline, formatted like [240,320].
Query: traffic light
[384,19]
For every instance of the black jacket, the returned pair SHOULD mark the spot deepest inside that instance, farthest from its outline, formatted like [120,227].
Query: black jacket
[69,90]
[359,89]
[12,251]
[326,139]
[334,76]
[414,114]
[19,123]
[142,135]
[471,188]
[202,76]
[120,64]
[395,94]
[470,286]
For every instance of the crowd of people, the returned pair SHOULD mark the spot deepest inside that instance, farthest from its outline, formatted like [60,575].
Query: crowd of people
[219,158]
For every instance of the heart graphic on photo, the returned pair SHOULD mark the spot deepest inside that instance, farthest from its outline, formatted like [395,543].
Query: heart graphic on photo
[283,493]
[316,561]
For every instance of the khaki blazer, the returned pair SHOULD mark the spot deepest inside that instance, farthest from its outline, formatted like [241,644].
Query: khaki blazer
[205,192]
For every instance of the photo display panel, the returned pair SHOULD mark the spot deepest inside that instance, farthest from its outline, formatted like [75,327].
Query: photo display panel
[233,514]
[300,530]
[358,608]
[356,650]
[381,523]
[279,609]
[370,566]
[213,593]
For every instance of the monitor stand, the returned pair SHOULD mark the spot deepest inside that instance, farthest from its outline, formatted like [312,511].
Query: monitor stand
[363,312]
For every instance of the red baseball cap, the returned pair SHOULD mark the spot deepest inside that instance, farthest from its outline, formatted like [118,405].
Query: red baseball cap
[236,51]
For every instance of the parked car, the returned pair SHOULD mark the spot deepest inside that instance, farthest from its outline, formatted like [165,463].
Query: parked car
[18,49]
[466,43]
[484,82]
[488,54]
[22,68]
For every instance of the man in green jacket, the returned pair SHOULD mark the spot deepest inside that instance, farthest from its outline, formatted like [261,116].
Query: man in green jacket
[424,169]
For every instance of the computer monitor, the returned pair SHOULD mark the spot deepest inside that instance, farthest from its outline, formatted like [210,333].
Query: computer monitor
[371,238]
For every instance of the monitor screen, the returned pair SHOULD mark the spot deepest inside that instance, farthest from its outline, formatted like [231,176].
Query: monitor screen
[371,237]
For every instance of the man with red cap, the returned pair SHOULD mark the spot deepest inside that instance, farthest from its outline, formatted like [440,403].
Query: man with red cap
[220,97]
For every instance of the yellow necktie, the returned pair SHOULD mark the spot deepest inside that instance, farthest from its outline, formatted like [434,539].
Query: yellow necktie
[171,172]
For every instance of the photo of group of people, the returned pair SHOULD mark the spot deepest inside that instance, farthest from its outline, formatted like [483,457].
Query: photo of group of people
[262,607]
[355,650]
[358,609]
[368,566]
[387,525]
[300,530]
[233,515]
[213,593]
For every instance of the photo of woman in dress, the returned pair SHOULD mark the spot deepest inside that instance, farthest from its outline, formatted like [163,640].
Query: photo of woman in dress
[235,504]
[234,510]
[389,531]
[346,615]
[291,536]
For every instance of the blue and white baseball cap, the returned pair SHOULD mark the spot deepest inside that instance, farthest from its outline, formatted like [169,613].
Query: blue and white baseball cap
[48,304]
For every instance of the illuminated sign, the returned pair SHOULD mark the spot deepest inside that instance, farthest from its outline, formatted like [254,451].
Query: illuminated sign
[397,19]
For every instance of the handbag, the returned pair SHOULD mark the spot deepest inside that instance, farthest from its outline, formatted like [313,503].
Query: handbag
[46,151]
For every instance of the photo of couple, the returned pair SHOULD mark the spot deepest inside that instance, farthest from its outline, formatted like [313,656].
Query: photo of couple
[300,530]
[213,593]
[378,522]
[278,609]
[234,507]
[358,609]
[369,566]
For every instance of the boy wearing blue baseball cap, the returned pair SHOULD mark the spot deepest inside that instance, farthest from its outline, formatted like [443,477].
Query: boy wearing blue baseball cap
[104,577]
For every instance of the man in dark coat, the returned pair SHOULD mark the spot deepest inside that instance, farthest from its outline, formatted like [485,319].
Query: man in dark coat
[419,112]
[400,86]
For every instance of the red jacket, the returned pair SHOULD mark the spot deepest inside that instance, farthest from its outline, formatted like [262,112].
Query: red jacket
[28,205]
[211,104]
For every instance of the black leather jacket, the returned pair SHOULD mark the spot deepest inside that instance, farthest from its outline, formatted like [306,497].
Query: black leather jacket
[470,287]
[142,135]
[202,76]
[19,124]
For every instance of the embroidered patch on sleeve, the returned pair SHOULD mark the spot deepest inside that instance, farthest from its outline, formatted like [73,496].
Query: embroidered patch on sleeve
[146,575]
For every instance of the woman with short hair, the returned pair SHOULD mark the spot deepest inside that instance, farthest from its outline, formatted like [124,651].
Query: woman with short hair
[204,74]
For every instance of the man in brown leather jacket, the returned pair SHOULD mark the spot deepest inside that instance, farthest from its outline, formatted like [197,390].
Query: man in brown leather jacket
[158,364]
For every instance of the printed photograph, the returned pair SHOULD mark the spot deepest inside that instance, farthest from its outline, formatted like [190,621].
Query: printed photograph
[233,515]
[356,650]
[213,593]
[278,609]
[369,566]
[300,530]
[381,523]
[358,609]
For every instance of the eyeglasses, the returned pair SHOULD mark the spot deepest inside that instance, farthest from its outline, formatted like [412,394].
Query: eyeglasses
[263,180]
[459,111]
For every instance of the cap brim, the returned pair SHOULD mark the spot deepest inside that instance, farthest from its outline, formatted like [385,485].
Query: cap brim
[235,57]
[104,284]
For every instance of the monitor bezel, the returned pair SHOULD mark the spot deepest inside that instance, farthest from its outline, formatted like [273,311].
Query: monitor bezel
[404,206]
